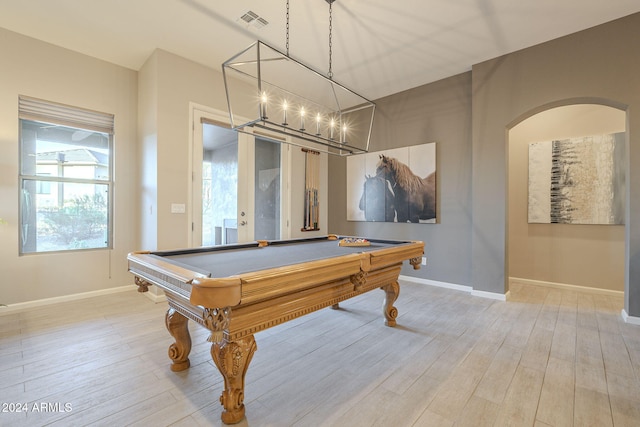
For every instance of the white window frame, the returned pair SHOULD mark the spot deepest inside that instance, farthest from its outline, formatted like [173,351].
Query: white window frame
[47,112]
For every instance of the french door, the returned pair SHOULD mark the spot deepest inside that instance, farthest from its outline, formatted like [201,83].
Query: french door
[239,184]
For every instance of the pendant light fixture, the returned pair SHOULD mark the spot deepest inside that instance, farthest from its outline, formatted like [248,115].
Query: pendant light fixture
[268,89]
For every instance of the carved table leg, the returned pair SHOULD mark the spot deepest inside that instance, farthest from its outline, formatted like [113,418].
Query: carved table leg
[232,360]
[392,291]
[178,327]
[143,285]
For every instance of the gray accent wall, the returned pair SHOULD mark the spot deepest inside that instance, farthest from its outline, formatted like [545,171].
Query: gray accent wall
[439,112]
[599,65]
[470,116]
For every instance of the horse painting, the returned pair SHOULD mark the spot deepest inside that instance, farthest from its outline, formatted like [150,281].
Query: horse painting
[415,197]
[377,200]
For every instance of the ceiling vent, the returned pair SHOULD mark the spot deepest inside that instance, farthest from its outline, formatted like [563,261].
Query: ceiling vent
[253,19]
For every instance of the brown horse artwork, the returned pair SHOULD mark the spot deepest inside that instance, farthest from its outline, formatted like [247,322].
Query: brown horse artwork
[414,197]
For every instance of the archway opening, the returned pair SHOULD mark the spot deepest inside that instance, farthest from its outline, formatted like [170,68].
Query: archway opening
[588,256]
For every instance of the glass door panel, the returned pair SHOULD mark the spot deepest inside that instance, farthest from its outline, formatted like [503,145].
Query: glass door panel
[219,185]
[267,173]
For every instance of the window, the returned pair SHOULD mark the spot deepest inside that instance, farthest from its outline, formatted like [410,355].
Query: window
[66,177]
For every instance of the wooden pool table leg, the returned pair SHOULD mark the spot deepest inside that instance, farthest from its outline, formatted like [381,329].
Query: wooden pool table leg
[178,327]
[232,359]
[392,290]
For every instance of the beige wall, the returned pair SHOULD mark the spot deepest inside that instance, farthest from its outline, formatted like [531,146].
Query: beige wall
[168,85]
[147,173]
[583,255]
[34,68]
[152,146]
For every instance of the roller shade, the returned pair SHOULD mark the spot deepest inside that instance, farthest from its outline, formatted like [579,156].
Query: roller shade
[52,112]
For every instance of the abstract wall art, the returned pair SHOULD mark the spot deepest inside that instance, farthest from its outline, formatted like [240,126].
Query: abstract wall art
[397,185]
[577,180]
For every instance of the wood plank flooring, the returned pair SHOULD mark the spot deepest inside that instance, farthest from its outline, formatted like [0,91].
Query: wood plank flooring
[547,357]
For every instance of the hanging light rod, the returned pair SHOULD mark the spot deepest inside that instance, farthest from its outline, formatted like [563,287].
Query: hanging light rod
[294,100]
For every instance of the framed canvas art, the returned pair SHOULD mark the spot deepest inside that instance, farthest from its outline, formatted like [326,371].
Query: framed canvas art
[397,185]
[577,180]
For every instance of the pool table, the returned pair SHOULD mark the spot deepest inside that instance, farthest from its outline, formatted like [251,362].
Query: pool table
[237,290]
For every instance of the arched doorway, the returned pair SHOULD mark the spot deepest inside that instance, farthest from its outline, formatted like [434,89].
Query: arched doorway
[590,256]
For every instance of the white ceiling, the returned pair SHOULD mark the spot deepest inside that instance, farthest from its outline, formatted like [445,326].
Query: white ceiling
[380,47]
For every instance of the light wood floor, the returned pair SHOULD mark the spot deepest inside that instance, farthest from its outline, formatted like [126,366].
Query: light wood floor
[545,358]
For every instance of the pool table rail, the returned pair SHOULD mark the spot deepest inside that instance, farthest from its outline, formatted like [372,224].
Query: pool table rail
[150,270]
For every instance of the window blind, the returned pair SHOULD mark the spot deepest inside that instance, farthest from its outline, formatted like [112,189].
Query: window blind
[55,113]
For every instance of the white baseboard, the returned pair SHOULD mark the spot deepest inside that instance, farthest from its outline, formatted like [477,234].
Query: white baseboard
[565,286]
[436,283]
[156,298]
[490,295]
[13,308]
[469,289]
[630,319]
